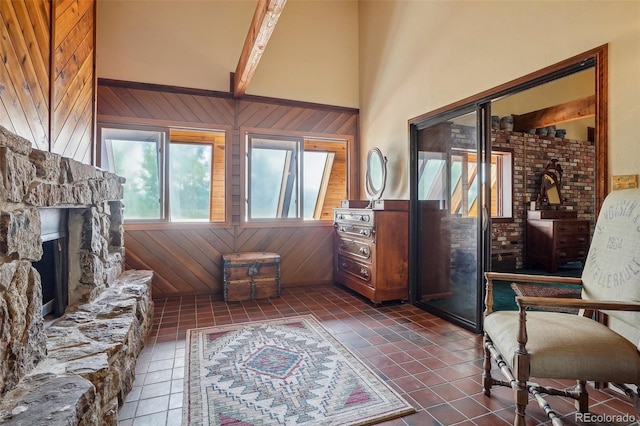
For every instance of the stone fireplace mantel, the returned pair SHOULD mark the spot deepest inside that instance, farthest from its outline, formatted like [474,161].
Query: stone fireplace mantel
[92,349]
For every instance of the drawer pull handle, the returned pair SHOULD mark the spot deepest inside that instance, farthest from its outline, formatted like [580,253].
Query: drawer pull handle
[363,250]
[582,239]
[364,272]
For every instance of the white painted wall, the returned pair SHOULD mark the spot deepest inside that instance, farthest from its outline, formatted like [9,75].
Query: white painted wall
[312,54]
[416,56]
[394,59]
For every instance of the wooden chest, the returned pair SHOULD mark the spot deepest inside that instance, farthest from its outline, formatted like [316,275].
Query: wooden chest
[250,276]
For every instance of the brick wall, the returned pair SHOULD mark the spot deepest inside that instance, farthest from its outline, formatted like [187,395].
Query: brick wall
[530,155]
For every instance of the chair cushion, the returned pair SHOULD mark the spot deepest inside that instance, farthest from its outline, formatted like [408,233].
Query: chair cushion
[566,346]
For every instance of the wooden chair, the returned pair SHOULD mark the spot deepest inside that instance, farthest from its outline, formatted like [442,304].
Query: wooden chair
[552,345]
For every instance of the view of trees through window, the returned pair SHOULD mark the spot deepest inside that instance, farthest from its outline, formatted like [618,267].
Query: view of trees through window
[136,159]
[189,182]
[190,162]
[293,177]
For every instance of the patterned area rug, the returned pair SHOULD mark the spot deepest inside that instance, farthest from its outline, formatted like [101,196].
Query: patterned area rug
[281,372]
[541,290]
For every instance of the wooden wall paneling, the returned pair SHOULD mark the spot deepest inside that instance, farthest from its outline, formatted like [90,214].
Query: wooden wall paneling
[111,103]
[37,44]
[84,150]
[309,263]
[160,286]
[140,244]
[196,108]
[39,16]
[185,257]
[15,118]
[73,79]
[219,186]
[67,17]
[69,141]
[117,101]
[306,252]
[185,260]
[177,103]
[306,249]
[222,110]
[25,93]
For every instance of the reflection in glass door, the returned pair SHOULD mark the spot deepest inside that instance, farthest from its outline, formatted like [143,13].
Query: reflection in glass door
[447,203]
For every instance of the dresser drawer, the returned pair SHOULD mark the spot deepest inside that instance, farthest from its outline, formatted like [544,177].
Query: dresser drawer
[359,249]
[571,254]
[353,267]
[572,240]
[572,227]
[355,230]
[354,216]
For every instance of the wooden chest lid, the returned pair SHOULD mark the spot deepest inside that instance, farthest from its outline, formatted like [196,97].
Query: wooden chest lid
[251,257]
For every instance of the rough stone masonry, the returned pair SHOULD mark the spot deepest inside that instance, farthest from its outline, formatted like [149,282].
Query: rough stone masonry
[78,369]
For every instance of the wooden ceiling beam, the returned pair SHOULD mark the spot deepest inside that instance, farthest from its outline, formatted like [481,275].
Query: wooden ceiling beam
[264,22]
[573,110]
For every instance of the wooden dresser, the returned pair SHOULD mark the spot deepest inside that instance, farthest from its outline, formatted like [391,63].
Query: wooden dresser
[556,237]
[371,249]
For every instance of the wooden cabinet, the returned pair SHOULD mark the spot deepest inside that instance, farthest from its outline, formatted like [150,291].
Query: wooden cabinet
[552,242]
[371,249]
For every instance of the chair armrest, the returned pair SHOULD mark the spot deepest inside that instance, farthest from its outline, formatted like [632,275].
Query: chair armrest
[534,302]
[505,276]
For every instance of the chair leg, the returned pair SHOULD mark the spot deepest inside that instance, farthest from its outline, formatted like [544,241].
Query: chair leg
[487,381]
[521,396]
[582,402]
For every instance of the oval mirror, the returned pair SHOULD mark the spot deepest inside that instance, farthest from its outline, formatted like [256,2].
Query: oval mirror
[376,174]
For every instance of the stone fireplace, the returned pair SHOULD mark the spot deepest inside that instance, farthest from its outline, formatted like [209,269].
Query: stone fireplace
[78,367]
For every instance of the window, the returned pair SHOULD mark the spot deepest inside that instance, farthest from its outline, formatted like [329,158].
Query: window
[463,193]
[172,174]
[135,155]
[294,178]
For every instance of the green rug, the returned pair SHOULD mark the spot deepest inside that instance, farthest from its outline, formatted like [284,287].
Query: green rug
[281,372]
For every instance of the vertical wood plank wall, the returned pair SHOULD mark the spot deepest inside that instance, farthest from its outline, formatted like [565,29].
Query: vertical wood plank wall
[51,108]
[187,259]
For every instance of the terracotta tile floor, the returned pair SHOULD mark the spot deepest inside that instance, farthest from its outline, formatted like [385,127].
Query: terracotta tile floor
[434,365]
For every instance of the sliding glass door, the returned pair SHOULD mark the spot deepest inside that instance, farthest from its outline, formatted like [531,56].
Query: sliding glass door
[449,219]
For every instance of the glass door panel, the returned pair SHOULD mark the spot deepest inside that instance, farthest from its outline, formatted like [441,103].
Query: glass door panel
[448,218]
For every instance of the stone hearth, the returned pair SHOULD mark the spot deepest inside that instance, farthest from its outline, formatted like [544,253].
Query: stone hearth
[79,368]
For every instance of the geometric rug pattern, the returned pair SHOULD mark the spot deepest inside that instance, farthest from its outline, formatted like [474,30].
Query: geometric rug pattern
[288,371]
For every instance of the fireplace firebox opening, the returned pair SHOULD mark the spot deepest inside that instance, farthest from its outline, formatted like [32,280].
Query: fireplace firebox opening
[54,264]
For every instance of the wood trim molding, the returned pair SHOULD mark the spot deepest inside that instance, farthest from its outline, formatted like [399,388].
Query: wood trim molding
[264,22]
[573,110]
[213,93]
